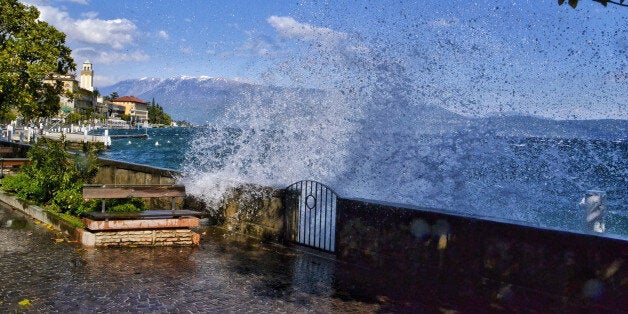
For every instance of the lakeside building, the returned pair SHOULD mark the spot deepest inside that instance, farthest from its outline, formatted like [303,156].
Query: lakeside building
[134,107]
[76,96]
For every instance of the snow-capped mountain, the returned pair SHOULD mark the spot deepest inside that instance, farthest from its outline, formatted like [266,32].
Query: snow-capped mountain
[202,100]
[198,100]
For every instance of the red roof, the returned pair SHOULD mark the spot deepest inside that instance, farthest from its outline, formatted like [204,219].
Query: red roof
[129,99]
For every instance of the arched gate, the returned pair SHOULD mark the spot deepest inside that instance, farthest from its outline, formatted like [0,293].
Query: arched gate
[310,215]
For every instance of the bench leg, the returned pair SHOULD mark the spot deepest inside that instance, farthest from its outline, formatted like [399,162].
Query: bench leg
[102,206]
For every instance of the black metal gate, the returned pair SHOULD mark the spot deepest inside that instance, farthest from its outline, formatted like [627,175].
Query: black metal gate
[310,214]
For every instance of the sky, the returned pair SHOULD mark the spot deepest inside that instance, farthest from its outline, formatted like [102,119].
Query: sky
[472,57]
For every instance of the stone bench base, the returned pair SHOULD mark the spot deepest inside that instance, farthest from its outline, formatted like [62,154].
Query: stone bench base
[137,224]
[140,232]
[132,238]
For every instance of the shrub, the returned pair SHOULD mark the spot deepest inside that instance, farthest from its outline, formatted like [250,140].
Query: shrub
[54,177]
[125,208]
[132,205]
[71,201]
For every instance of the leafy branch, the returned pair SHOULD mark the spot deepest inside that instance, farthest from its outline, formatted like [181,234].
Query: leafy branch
[574,3]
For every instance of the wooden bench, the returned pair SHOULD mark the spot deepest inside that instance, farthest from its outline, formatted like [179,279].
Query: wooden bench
[11,163]
[6,150]
[119,191]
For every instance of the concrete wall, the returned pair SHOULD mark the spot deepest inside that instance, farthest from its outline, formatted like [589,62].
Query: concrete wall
[40,214]
[431,254]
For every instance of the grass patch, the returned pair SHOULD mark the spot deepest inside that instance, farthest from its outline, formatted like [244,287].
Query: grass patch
[70,219]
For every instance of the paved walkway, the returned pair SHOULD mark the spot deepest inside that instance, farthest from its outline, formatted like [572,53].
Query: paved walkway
[38,267]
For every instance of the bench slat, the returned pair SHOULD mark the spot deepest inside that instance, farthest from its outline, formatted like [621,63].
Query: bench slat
[90,192]
[148,214]
[11,162]
[6,150]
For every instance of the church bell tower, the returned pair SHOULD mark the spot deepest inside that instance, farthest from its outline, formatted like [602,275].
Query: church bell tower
[87,76]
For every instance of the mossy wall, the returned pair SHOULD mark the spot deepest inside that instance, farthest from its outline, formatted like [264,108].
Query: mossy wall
[255,211]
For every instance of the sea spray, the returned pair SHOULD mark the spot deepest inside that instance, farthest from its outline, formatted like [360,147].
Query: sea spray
[367,117]
[277,142]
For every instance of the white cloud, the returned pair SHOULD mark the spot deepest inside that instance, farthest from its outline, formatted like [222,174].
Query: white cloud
[100,80]
[117,33]
[258,44]
[163,34]
[443,22]
[321,38]
[186,50]
[78,1]
[289,28]
[109,57]
[90,15]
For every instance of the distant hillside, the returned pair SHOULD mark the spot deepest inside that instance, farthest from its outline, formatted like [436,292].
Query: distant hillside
[527,126]
[205,100]
[197,100]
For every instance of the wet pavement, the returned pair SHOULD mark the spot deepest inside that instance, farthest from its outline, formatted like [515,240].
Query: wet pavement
[45,273]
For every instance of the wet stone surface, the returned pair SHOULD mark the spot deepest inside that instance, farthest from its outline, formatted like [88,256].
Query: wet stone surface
[222,275]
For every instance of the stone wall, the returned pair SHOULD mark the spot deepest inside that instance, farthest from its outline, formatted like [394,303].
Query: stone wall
[164,237]
[117,172]
[255,211]
[424,253]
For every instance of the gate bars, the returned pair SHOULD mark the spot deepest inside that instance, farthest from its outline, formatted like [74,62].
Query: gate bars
[310,215]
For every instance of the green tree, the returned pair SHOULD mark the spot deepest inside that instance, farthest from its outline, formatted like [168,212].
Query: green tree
[74,117]
[156,114]
[29,51]
[111,96]
[574,3]
[54,177]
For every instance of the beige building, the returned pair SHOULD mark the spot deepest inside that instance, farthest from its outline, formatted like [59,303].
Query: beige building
[75,96]
[72,98]
[134,107]
[87,76]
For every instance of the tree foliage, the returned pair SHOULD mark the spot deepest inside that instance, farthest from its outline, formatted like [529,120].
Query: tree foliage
[111,96]
[574,3]
[54,177]
[29,51]
[157,115]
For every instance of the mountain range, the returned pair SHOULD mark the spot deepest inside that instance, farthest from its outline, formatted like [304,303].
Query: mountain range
[204,100]
[197,100]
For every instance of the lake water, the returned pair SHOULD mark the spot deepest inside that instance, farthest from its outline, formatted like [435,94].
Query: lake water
[538,180]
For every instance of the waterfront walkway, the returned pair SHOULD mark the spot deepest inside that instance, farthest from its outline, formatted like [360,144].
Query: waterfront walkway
[48,274]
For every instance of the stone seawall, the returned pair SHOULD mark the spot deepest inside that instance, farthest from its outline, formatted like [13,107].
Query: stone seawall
[505,263]
[118,172]
[254,211]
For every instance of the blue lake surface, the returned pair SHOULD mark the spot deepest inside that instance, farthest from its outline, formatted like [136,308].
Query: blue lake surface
[532,179]
[164,148]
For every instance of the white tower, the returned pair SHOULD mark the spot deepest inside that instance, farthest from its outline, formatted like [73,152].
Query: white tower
[87,76]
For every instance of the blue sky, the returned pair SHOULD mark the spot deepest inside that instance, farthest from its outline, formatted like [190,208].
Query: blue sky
[473,57]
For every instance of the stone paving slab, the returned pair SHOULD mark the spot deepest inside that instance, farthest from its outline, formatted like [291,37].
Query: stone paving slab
[220,276]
